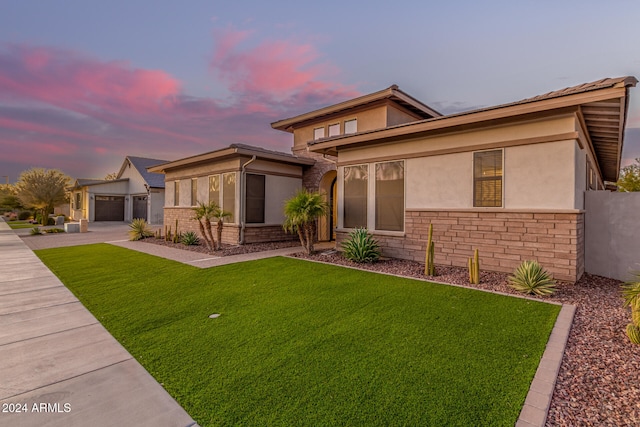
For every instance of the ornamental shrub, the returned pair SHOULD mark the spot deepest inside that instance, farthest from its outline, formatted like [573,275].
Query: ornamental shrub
[360,246]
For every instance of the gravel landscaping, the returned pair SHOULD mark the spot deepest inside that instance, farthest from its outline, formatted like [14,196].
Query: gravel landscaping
[227,250]
[599,381]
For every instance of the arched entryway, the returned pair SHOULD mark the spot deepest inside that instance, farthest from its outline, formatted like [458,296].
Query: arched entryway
[326,225]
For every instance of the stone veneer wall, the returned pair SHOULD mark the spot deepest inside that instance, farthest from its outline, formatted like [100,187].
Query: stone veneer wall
[230,232]
[503,239]
[313,175]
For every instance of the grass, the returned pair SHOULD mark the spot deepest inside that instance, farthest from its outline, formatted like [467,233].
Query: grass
[300,343]
[21,224]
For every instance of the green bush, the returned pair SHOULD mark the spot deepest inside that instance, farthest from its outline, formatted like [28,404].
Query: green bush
[54,230]
[190,239]
[35,231]
[24,215]
[360,246]
[531,278]
[631,295]
[139,229]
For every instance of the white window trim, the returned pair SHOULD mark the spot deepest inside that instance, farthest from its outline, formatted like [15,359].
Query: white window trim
[341,197]
[314,132]
[354,119]
[372,224]
[332,125]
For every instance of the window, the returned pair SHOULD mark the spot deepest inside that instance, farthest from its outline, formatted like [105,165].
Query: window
[194,191]
[78,201]
[351,126]
[318,133]
[390,196]
[255,198]
[334,130]
[229,193]
[176,193]
[487,178]
[214,189]
[356,180]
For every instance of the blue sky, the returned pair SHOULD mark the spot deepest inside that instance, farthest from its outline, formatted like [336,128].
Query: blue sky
[85,83]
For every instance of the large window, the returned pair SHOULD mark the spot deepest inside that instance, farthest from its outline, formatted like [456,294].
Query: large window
[390,196]
[194,191]
[351,126]
[214,189]
[229,193]
[176,193]
[356,179]
[255,199]
[487,178]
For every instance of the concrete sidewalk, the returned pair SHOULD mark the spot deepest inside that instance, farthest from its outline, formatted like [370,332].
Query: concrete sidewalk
[58,365]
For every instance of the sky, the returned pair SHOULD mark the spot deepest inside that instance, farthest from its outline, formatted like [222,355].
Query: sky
[85,83]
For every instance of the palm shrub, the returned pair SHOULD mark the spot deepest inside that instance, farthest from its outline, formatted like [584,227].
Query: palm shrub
[219,215]
[631,295]
[190,238]
[360,246]
[203,213]
[531,278]
[139,229]
[301,212]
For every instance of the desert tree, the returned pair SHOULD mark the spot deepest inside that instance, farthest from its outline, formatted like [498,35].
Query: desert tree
[630,177]
[42,189]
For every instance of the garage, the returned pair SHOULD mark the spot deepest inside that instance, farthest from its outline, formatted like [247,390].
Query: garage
[109,208]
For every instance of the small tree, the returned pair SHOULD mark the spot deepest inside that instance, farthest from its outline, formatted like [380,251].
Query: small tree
[630,177]
[111,176]
[301,212]
[42,189]
[219,214]
[203,214]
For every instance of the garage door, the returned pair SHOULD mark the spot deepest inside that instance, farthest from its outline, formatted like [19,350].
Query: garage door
[109,208]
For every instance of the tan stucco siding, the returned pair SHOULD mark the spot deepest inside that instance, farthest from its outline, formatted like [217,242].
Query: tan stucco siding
[169,193]
[461,140]
[203,170]
[580,172]
[370,119]
[396,116]
[440,181]
[118,188]
[277,190]
[540,176]
[263,166]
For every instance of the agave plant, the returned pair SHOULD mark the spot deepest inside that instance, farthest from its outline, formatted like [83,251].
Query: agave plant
[36,231]
[631,295]
[189,238]
[139,229]
[360,246]
[531,278]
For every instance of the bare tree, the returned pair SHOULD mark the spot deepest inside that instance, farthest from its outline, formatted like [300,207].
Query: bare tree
[42,189]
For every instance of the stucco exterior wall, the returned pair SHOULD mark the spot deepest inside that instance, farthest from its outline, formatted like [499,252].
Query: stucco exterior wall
[136,182]
[156,200]
[397,116]
[277,190]
[612,235]
[440,181]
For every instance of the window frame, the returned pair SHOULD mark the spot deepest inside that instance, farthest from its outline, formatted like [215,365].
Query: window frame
[232,220]
[219,189]
[366,197]
[333,125]
[248,199]
[346,122]
[176,192]
[375,194]
[490,178]
[194,191]
[316,129]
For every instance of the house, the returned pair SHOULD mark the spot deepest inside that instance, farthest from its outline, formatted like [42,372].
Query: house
[250,183]
[134,193]
[507,180]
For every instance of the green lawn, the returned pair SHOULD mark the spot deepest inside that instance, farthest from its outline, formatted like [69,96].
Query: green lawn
[21,224]
[300,343]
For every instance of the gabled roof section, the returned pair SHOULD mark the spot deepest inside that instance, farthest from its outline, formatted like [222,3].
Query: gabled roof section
[83,182]
[393,93]
[601,106]
[234,150]
[153,180]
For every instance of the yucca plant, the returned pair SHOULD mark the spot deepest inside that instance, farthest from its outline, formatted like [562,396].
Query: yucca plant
[360,246]
[35,231]
[631,295]
[139,229]
[531,278]
[190,238]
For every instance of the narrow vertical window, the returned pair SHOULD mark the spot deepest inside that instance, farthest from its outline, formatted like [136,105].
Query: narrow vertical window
[356,180]
[351,126]
[176,193]
[229,194]
[318,133]
[334,130]
[214,189]
[255,192]
[390,196]
[194,191]
[78,201]
[487,178]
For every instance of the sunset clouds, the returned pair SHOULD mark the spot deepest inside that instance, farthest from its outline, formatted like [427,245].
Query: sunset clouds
[70,110]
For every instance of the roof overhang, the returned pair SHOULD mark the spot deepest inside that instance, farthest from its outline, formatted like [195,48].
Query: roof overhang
[234,150]
[393,93]
[602,106]
[78,185]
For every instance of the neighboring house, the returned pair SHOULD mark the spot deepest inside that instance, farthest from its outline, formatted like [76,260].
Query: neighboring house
[249,182]
[135,193]
[508,180]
